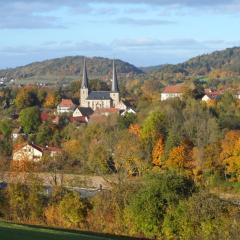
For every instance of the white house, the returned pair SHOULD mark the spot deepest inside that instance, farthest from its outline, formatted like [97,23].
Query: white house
[66,106]
[129,110]
[27,152]
[172,91]
[77,113]
[82,112]
[33,152]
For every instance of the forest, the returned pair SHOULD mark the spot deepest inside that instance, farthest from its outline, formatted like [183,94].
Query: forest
[175,165]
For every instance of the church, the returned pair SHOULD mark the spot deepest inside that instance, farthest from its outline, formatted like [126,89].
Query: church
[99,99]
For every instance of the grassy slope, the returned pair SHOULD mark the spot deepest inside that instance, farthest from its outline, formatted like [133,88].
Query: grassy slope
[20,232]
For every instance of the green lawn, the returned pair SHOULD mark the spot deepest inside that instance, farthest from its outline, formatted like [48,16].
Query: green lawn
[22,232]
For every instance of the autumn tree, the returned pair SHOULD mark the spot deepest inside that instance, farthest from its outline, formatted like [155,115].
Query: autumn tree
[158,153]
[180,157]
[26,97]
[50,100]
[153,127]
[230,155]
[73,209]
[128,155]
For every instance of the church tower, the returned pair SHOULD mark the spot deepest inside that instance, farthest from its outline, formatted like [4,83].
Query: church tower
[115,89]
[84,87]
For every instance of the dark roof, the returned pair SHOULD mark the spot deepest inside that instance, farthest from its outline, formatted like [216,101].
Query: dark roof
[86,111]
[99,95]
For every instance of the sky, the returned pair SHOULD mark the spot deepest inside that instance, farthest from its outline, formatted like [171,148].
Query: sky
[142,32]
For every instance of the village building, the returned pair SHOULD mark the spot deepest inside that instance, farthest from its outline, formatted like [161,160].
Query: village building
[66,106]
[81,112]
[128,111]
[27,151]
[172,91]
[212,95]
[80,119]
[99,99]
[32,152]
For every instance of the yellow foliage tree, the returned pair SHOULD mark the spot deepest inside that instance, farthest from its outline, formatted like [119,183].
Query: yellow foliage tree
[50,101]
[181,158]
[230,155]
[158,152]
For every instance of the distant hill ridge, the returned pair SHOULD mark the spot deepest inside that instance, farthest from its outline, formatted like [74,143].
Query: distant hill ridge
[68,68]
[226,60]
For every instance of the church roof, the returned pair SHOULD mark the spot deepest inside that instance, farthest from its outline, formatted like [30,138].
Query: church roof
[99,95]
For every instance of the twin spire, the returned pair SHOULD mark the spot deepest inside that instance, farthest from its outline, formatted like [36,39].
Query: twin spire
[85,76]
[85,84]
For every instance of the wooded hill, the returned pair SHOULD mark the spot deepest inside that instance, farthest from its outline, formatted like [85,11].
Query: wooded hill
[219,64]
[67,69]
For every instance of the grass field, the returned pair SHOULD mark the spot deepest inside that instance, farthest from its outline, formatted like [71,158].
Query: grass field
[21,232]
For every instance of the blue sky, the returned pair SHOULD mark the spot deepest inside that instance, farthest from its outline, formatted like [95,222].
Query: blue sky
[142,32]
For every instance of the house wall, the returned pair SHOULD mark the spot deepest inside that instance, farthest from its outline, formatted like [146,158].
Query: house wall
[77,113]
[165,96]
[27,153]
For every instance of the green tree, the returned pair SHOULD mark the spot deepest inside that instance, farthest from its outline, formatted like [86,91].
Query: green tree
[146,209]
[30,119]
[203,216]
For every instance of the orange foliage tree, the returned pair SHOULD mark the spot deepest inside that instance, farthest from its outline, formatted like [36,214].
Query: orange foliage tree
[181,157]
[158,152]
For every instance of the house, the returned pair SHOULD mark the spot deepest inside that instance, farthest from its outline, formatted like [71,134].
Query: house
[27,151]
[99,99]
[123,105]
[128,111]
[81,119]
[106,111]
[209,97]
[66,106]
[212,95]
[33,152]
[82,111]
[172,91]
[52,151]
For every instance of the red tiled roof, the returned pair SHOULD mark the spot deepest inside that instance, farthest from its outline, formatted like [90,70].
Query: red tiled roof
[44,117]
[173,89]
[81,119]
[66,103]
[107,110]
[53,149]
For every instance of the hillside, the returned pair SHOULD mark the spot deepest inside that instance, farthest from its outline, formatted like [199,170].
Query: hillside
[17,232]
[67,69]
[226,61]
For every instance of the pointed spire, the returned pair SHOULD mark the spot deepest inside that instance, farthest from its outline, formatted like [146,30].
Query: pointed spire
[85,76]
[114,79]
